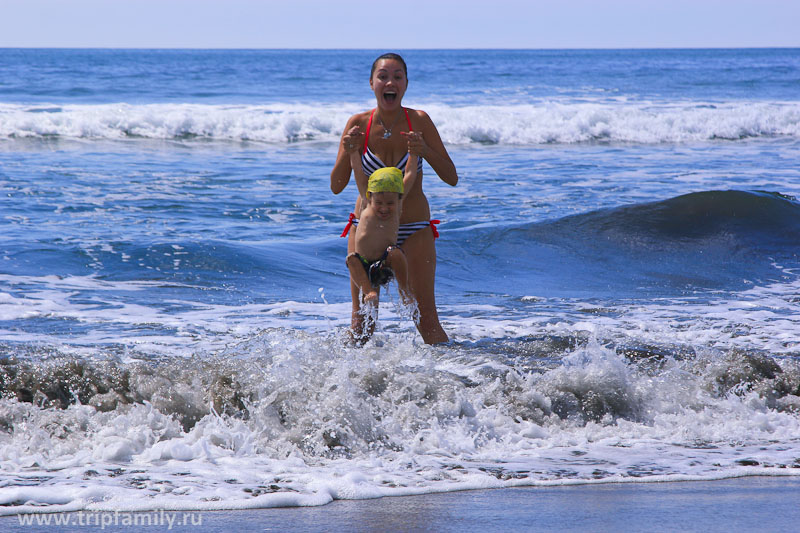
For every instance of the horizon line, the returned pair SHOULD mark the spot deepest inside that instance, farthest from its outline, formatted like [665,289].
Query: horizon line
[231,48]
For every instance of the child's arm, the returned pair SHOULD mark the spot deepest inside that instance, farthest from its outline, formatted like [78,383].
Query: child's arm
[411,171]
[353,139]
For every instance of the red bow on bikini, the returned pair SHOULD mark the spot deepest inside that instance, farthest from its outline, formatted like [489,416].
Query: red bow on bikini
[349,223]
[433,228]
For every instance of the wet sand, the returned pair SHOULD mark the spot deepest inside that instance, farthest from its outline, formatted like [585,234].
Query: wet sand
[743,504]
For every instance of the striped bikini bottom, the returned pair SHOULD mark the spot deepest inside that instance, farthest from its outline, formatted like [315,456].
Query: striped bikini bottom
[403,232]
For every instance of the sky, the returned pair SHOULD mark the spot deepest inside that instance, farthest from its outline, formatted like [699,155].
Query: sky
[399,24]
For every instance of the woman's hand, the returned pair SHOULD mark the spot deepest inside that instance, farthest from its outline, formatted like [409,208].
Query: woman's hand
[416,143]
[352,140]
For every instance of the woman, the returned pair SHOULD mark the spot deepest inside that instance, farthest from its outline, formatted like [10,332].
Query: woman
[387,141]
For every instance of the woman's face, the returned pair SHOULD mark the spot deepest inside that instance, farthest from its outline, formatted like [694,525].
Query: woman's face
[389,83]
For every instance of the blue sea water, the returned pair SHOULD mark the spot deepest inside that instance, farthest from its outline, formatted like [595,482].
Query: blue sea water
[617,270]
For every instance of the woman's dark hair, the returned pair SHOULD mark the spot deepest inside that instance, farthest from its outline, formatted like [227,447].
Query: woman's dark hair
[390,55]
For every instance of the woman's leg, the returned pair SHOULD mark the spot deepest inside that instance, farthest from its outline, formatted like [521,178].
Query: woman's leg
[421,257]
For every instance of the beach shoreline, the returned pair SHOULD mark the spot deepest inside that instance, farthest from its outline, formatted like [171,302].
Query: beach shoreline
[740,504]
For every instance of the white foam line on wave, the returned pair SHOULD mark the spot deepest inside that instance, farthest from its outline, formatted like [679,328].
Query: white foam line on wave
[520,124]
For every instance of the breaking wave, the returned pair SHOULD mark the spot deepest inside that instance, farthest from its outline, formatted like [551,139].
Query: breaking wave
[288,418]
[543,123]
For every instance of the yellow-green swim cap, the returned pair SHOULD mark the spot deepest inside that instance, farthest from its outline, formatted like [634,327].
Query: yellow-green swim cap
[386,179]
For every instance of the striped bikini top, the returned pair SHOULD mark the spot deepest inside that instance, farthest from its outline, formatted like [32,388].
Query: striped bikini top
[371,162]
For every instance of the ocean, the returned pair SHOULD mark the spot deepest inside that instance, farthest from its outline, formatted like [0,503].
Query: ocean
[618,272]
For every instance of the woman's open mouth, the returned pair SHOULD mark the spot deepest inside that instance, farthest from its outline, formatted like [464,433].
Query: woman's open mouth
[390,97]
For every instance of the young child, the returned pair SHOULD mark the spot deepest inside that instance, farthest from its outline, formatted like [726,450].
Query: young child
[377,258]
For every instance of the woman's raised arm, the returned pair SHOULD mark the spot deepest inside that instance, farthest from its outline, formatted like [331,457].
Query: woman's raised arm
[430,146]
[340,175]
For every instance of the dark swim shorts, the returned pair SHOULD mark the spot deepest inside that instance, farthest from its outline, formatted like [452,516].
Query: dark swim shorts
[379,274]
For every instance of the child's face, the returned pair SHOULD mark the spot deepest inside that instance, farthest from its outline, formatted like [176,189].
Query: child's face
[384,204]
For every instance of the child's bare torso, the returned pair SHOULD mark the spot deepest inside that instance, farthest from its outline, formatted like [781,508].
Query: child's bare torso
[374,235]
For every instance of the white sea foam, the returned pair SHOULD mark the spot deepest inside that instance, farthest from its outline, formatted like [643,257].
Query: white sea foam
[276,411]
[548,122]
[329,422]
[268,123]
